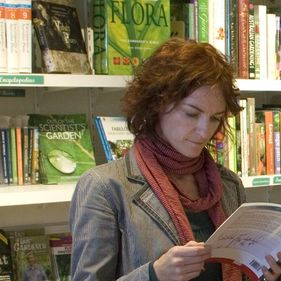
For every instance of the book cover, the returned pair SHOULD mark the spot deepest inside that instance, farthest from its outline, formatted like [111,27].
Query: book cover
[60,38]
[203,21]
[6,266]
[31,256]
[247,236]
[251,40]
[61,245]
[118,138]
[260,149]
[127,32]
[65,146]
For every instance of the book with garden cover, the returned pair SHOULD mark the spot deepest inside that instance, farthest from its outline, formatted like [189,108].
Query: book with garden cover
[59,35]
[127,32]
[247,236]
[6,266]
[65,146]
[115,135]
[31,255]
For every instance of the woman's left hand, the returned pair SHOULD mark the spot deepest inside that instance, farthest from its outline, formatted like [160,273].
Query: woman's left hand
[275,268]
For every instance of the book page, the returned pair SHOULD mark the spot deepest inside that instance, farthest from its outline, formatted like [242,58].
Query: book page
[246,237]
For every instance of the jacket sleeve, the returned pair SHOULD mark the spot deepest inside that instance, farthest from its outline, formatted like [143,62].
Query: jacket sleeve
[96,250]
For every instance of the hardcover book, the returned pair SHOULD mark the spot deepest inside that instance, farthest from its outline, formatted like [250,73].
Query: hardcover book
[115,136]
[60,38]
[65,147]
[127,32]
[247,236]
[61,245]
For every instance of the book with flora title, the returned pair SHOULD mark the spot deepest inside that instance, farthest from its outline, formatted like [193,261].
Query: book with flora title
[127,32]
[65,147]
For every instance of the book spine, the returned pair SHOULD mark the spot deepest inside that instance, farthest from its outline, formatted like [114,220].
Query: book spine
[25,36]
[100,37]
[243,38]
[3,46]
[219,26]
[278,47]
[14,155]
[11,14]
[191,17]
[271,46]
[269,142]
[4,156]
[24,134]
[9,155]
[257,42]
[251,135]
[19,155]
[251,40]
[35,157]
[262,41]
[276,136]
[260,149]
[231,145]
[244,139]
[203,21]
[211,22]
[196,20]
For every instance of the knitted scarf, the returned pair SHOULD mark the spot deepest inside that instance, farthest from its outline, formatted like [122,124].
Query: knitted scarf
[156,159]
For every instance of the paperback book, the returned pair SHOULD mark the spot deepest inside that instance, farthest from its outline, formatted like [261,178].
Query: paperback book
[61,245]
[115,136]
[31,255]
[58,30]
[127,32]
[6,266]
[65,147]
[247,236]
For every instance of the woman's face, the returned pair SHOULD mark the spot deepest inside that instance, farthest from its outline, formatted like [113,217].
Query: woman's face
[190,125]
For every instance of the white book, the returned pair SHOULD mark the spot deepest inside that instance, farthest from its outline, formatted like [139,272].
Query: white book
[247,236]
[261,45]
[271,46]
[25,36]
[12,36]
[3,49]
[218,12]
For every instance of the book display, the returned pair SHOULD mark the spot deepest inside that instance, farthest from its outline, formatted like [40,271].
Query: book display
[66,86]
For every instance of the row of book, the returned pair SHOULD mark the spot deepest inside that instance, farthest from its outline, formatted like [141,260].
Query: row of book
[46,149]
[15,36]
[247,32]
[31,254]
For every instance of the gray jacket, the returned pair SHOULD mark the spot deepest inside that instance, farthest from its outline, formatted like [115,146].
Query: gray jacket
[119,225]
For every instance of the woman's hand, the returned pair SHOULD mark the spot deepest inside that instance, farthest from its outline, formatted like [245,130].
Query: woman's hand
[274,273]
[182,263]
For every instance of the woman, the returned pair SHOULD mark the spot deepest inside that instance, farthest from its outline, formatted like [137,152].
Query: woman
[146,216]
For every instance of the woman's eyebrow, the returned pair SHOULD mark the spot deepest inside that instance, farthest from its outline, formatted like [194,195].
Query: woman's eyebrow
[199,109]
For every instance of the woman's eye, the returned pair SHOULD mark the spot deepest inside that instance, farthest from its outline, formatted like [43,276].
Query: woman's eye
[189,114]
[217,118]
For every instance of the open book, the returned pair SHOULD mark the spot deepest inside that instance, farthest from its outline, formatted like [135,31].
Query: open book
[247,236]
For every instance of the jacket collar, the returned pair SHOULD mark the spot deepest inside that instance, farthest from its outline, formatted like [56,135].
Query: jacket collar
[146,199]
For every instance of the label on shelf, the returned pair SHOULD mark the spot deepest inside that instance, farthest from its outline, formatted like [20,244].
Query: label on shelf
[253,181]
[21,79]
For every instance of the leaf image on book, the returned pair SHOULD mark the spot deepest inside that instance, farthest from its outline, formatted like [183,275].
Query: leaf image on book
[65,146]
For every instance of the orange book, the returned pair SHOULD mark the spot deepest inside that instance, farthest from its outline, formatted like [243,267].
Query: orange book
[19,156]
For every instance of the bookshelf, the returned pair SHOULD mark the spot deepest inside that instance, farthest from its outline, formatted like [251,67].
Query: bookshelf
[95,94]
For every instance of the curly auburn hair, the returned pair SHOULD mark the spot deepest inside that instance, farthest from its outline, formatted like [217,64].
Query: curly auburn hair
[176,69]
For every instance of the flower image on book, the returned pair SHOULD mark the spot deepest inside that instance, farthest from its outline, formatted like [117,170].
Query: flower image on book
[115,136]
[65,146]
[247,236]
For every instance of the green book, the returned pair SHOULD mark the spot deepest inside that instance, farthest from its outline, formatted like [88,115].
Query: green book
[65,147]
[127,32]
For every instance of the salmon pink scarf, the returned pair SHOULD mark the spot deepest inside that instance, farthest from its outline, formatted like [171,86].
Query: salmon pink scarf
[156,159]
